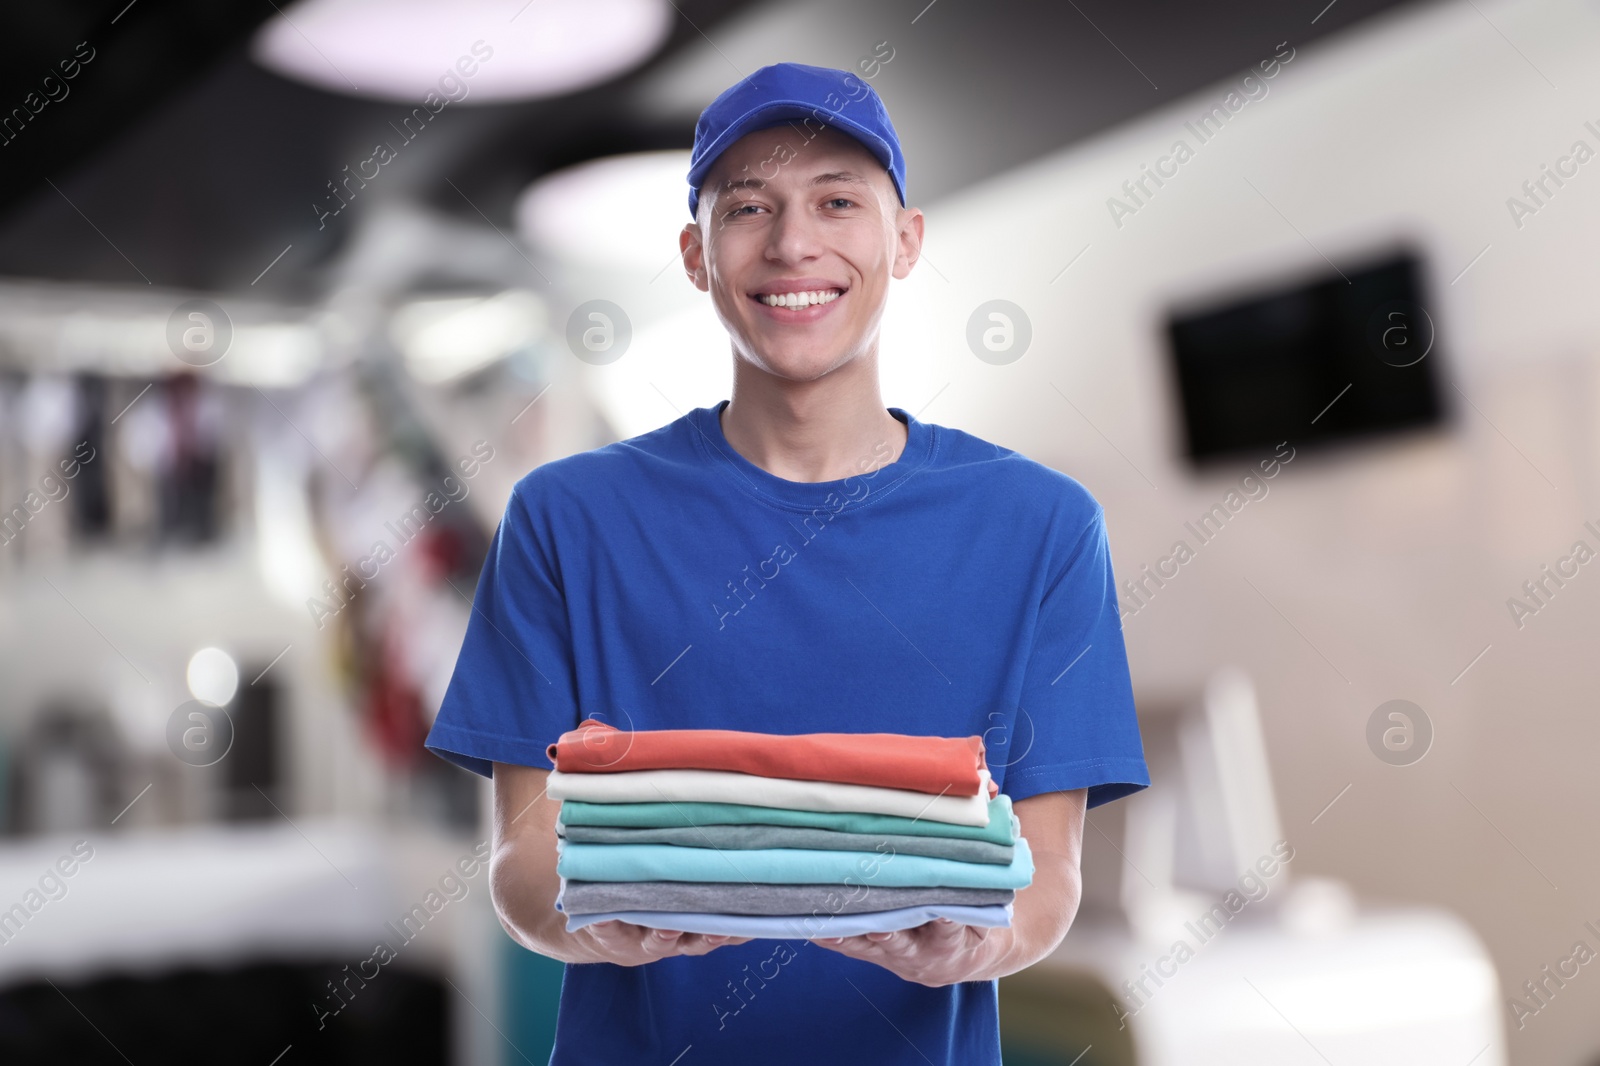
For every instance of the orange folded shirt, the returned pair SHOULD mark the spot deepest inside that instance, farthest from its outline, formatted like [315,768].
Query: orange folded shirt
[937,765]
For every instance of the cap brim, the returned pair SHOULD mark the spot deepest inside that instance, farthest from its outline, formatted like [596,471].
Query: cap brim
[776,113]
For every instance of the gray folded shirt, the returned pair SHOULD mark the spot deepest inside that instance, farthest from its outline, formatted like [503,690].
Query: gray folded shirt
[707,897]
[742,837]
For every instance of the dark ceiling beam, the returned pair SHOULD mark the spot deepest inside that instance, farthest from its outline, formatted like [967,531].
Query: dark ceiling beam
[74,74]
[176,161]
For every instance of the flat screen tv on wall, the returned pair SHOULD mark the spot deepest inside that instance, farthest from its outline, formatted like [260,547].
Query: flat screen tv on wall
[1336,358]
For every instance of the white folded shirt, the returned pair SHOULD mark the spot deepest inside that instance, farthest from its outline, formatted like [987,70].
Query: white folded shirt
[722,786]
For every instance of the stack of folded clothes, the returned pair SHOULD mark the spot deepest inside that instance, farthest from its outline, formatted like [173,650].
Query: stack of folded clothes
[756,835]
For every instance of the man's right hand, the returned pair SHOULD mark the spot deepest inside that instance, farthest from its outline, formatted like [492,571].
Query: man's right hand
[634,945]
[524,884]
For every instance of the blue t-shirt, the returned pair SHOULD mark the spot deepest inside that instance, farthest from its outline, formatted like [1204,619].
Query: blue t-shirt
[665,581]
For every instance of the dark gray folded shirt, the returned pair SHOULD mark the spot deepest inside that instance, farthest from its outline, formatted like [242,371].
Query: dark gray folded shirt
[707,897]
[742,837]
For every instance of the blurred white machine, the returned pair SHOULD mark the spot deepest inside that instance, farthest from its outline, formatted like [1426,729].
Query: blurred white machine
[1214,957]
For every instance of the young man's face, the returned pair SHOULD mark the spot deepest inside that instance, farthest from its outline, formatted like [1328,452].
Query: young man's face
[779,214]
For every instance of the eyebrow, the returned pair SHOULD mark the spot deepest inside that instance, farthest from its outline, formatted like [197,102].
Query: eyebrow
[833,177]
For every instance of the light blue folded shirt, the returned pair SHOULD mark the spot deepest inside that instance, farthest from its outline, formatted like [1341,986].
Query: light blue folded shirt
[803,926]
[786,866]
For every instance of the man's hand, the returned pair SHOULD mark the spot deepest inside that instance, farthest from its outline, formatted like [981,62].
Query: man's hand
[937,953]
[945,952]
[634,945]
[524,883]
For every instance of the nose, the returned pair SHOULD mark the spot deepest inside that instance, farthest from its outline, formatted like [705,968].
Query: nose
[793,237]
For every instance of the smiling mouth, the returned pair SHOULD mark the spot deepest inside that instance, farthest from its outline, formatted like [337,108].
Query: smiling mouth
[798,300]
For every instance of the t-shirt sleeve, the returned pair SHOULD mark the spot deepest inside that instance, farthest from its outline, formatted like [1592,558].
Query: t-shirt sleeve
[512,691]
[1075,726]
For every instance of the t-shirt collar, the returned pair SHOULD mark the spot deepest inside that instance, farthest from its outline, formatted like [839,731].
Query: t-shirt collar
[807,495]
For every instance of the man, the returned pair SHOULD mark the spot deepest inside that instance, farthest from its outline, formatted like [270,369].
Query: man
[797,559]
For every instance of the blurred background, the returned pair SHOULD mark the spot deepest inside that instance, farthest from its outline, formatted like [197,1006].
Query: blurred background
[1303,293]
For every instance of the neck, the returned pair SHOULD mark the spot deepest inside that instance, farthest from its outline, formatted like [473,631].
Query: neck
[823,430]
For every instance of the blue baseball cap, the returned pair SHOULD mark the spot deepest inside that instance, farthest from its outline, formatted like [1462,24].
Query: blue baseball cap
[778,94]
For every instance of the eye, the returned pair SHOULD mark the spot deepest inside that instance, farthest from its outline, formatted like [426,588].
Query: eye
[740,209]
[841,200]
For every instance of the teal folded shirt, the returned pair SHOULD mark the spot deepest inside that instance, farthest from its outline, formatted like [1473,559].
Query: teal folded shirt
[786,866]
[753,837]
[1000,830]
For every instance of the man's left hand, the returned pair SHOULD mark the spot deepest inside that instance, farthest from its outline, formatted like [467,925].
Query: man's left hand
[938,953]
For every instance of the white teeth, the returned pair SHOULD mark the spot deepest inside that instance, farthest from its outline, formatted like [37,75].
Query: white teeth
[800,299]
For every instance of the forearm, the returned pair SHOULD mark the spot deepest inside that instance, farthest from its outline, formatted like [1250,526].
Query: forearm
[524,885]
[523,882]
[1042,914]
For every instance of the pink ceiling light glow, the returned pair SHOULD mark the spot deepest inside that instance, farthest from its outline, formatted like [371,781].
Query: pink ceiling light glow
[464,51]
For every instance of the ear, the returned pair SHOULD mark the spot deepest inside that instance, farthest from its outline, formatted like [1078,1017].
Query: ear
[908,241]
[693,250]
